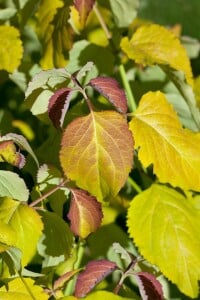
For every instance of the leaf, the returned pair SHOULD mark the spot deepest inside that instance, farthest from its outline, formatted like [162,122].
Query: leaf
[11,48]
[99,295]
[85,213]
[21,142]
[94,146]
[94,272]
[8,153]
[149,286]
[58,106]
[54,32]
[165,227]
[41,88]
[124,12]
[122,252]
[26,223]
[62,280]
[173,151]
[57,238]
[84,70]
[11,185]
[154,44]
[111,90]
[7,237]
[7,13]
[84,7]
[22,289]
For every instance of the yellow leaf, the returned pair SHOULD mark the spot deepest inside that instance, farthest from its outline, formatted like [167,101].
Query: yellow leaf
[173,151]
[22,289]
[26,224]
[7,236]
[197,90]
[11,48]
[154,44]
[165,227]
[53,30]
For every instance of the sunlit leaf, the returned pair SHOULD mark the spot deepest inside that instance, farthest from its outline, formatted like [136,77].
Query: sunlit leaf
[94,272]
[173,151]
[54,32]
[110,89]
[99,295]
[22,289]
[21,142]
[25,129]
[99,146]
[149,286]
[84,7]
[26,223]
[8,153]
[124,12]
[62,280]
[11,48]
[122,252]
[165,227]
[85,213]
[7,236]
[11,185]
[58,106]
[154,44]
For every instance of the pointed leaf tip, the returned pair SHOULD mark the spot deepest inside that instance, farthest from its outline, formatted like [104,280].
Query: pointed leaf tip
[94,272]
[84,8]
[111,90]
[149,286]
[85,213]
[58,106]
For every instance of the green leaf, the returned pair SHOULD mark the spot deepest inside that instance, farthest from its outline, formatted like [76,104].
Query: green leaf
[22,289]
[7,237]
[173,151]
[42,87]
[57,238]
[124,12]
[11,185]
[7,13]
[11,48]
[94,146]
[165,227]
[26,224]
[154,44]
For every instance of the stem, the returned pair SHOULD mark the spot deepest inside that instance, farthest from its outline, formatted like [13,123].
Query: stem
[131,100]
[80,251]
[134,185]
[27,288]
[34,203]
[101,21]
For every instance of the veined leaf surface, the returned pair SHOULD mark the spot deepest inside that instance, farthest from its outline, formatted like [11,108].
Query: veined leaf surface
[11,48]
[165,227]
[97,152]
[154,44]
[18,289]
[26,223]
[173,151]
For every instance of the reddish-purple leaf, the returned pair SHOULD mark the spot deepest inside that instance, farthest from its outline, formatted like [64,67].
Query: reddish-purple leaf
[85,213]
[149,286]
[111,90]
[83,7]
[58,106]
[94,272]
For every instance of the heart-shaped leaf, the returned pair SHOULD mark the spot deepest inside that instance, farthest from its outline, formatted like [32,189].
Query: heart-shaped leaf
[111,90]
[85,213]
[94,272]
[58,106]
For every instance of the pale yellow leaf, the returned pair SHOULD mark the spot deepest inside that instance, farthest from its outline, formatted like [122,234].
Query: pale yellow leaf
[7,236]
[173,151]
[22,289]
[25,222]
[165,227]
[154,44]
[11,49]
